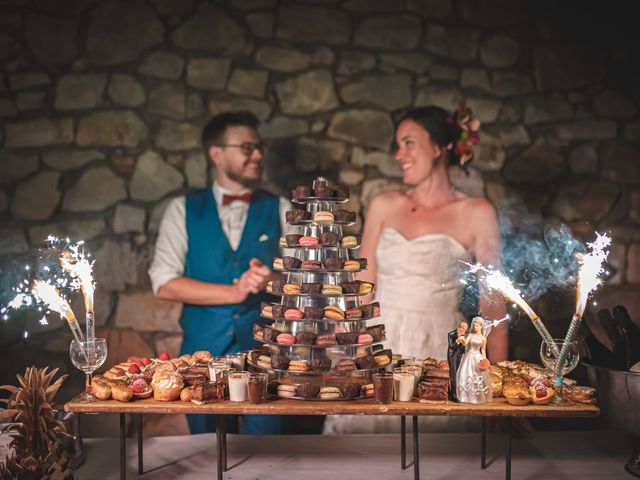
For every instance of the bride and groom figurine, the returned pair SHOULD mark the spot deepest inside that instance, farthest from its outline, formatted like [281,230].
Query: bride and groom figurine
[468,364]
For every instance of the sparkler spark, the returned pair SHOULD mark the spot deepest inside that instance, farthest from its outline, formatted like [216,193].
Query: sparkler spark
[50,296]
[591,270]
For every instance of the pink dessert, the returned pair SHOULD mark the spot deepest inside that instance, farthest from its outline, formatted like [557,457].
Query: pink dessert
[309,241]
[286,339]
[364,338]
[293,314]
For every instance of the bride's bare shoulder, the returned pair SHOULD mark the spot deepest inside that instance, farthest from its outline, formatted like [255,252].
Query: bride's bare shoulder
[388,200]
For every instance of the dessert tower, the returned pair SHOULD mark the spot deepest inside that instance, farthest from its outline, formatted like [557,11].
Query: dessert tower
[320,342]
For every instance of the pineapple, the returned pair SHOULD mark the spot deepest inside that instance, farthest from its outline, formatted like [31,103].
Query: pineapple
[36,433]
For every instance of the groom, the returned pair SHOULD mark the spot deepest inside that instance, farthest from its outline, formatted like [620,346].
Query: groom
[454,356]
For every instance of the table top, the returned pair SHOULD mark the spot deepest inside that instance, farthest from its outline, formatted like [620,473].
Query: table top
[497,408]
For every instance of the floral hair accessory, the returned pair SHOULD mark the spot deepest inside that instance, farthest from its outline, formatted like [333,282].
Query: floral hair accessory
[468,138]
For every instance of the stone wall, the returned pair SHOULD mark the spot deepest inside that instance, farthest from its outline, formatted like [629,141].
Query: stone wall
[102,104]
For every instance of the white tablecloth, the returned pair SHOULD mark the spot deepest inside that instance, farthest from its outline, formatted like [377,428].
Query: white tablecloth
[549,456]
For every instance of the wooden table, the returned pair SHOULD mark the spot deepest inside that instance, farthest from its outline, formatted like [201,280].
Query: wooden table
[498,408]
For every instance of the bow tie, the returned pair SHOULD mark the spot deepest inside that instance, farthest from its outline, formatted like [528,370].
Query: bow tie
[227,199]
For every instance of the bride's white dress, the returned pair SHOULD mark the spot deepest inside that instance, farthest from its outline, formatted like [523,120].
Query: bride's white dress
[474,385]
[419,289]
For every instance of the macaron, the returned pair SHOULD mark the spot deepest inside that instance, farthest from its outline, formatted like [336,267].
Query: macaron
[291,289]
[286,339]
[326,340]
[267,311]
[329,289]
[349,241]
[365,288]
[278,263]
[345,365]
[333,313]
[367,390]
[311,265]
[309,242]
[323,218]
[283,242]
[286,391]
[330,393]
[349,265]
[298,366]
[363,339]
[293,314]
[381,360]
[264,361]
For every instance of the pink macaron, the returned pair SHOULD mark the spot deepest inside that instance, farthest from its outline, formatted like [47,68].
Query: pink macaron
[309,242]
[364,339]
[293,314]
[286,339]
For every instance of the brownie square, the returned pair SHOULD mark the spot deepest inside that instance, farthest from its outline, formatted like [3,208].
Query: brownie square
[320,364]
[311,288]
[323,192]
[301,191]
[306,338]
[377,332]
[313,313]
[345,216]
[293,239]
[291,262]
[350,287]
[278,310]
[297,215]
[332,263]
[350,390]
[328,239]
[279,362]
[365,362]
[307,390]
[347,338]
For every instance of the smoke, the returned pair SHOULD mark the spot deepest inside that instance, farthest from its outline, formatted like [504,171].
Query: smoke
[536,256]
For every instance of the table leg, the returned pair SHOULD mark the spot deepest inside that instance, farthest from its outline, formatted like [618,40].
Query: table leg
[140,459]
[224,446]
[416,450]
[123,447]
[507,474]
[403,442]
[219,421]
[483,444]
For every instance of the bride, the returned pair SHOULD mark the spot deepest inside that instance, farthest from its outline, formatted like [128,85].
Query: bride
[413,241]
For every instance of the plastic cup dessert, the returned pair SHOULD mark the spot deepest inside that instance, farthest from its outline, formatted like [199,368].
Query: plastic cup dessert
[237,360]
[257,390]
[383,387]
[238,386]
[403,385]
[416,371]
[218,370]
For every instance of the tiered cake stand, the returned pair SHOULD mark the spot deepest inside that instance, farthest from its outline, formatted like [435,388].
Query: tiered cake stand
[329,360]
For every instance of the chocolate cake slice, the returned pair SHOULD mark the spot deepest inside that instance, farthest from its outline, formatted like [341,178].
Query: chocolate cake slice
[328,239]
[320,364]
[289,262]
[311,288]
[293,239]
[345,216]
[307,390]
[350,390]
[313,313]
[332,263]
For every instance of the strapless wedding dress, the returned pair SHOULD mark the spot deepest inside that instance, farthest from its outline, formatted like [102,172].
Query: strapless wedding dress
[419,290]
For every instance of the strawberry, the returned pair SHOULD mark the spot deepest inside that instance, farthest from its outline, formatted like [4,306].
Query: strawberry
[541,392]
[118,371]
[145,361]
[134,368]
[164,356]
[148,374]
[139,385]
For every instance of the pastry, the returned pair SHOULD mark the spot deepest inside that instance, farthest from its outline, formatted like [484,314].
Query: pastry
[579,394]
[297,215]
[344,216]
[433,392]
[313,313]
[350,287]
[349,241]
[309,241]
[293,314]
[329,393]
[291,263]
[301,191]
[365,362]
[371,310]
[283,242]
[208,392]
[115,373]
[332,263]
[264,361]
[326,340]
[328,239]
[377,332]
[323,191]
[323,218]
[123,393]
[279,362]
[193,378]
[278,264]
[267,311]
[286,391]
[347,338]
[307,390]
[202,356]
[186,394]
[278,310]
[291,289]
[298,366]
[345,365]
[351,265]
[101,389]
[350,390]
[341,191]
[311,288]
[311,265]
[293,239]
[353,313]
[333,313]
[270,334]
[365,288]
[167,386]
[330,289]
[367,390]
[286,339]
[364,339]
[306,338]
[320,364]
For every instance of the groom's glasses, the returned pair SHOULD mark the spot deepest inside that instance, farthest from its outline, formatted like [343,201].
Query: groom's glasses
[247,148]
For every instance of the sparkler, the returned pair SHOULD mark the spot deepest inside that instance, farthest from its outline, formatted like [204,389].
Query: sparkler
[50,296]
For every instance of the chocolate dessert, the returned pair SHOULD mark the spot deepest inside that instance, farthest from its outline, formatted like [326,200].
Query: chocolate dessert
[371,310]
[279,362]
[377,332]
[320,364]
[341,191]
[362,262]
[297,215]
[323,192]
[434,392]
[344,216]
[307,390]
[277,285]
[278,310]
[345,365]
[311,288]
[347,338]
[191,378]
[293,239]
[257,390]
[350,390]
[353,313]
[313,313]
[328,239]
[291,262]
[365,362]
[306,338]
[350,287]
[270,334]
[208,392]
[301,191]
[258,331]
[332,263]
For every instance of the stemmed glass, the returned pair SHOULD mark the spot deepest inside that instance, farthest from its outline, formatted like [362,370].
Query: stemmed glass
[88,358]
[549,360]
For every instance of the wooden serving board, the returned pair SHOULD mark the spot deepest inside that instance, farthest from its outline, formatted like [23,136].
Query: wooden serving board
[498,408]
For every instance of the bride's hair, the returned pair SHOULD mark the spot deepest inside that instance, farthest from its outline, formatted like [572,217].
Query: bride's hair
[442,128]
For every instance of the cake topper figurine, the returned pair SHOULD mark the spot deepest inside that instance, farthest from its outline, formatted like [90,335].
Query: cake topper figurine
[455,351]
[473,384]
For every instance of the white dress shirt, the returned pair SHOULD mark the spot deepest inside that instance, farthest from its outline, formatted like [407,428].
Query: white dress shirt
[171,247]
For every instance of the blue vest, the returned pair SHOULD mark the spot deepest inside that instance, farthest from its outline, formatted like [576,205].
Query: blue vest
[223,329]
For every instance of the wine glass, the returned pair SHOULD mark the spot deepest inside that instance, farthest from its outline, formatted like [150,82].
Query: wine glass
[88,357]
[549,359]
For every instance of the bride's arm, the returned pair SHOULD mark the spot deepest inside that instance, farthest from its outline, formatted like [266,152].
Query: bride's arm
[483,347]
[487,252]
